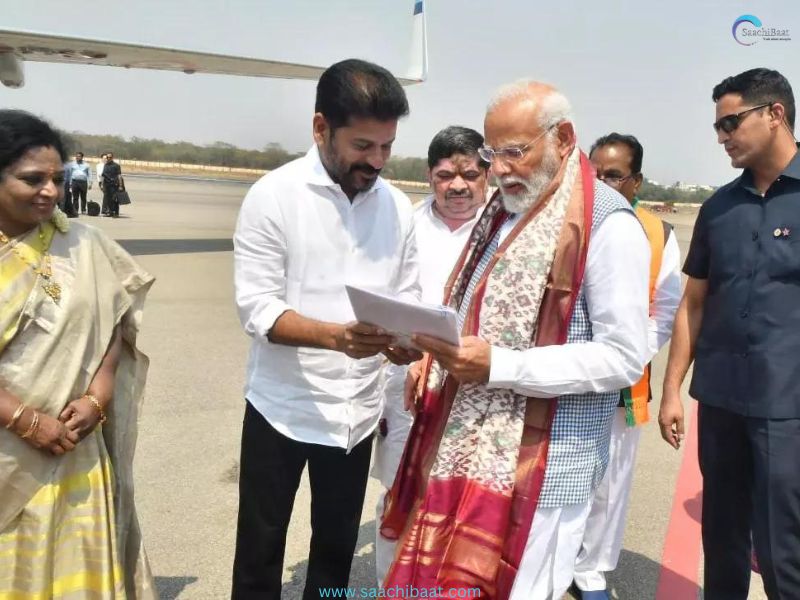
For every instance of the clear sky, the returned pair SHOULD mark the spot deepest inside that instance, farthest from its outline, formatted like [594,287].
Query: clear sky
[644,67]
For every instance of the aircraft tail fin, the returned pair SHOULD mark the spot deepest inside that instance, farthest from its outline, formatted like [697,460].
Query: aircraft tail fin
[418,60]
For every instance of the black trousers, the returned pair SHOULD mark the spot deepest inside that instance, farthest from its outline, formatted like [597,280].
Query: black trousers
[79,192]
[110,204]
[751,485]
[271,465]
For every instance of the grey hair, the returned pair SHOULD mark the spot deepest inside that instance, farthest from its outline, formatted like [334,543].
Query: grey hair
[554,107]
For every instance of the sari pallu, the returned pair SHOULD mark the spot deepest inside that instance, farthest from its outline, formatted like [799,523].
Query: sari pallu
[17,278]
[468,529]
[68,524]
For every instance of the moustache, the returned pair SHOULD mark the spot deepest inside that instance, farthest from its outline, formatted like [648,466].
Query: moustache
[511,180]
[458,195]
[365,169]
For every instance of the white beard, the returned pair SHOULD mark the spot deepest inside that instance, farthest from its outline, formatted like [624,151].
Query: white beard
[534,186]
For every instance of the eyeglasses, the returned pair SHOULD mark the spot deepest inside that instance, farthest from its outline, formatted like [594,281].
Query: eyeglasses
[730,123]
[509,153]
[614,181]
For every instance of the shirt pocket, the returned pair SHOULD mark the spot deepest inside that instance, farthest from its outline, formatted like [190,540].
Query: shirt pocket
[783,259]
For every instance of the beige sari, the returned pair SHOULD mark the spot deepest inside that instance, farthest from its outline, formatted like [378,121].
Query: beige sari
[68,526]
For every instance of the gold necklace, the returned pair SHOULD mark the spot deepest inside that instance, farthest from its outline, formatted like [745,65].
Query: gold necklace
[44,269]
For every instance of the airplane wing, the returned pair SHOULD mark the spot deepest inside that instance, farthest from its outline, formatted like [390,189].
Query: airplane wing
[18,46]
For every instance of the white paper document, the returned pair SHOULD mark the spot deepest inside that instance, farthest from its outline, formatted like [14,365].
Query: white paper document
[402,318]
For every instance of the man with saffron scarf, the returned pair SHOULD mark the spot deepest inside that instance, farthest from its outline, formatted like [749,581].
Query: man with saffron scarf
[512,427]
[618,161]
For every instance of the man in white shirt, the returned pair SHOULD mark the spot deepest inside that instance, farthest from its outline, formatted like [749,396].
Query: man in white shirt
[443,222]
[304,231]
[512,427]
[618,161]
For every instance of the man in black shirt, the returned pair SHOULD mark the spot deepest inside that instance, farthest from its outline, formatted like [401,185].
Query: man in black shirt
[739,320]
[112,182]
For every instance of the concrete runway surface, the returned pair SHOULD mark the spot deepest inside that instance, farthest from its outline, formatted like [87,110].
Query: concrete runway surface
[187,458]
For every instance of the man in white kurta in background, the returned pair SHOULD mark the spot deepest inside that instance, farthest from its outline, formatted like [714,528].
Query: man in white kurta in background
[618,161]
[443,222]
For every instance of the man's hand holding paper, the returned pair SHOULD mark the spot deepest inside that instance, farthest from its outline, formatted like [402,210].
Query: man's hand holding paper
[401,356]
[468,363]
[358,340]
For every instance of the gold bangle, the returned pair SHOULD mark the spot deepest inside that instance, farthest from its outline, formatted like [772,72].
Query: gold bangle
[34,427]
[16,416]
[91,398]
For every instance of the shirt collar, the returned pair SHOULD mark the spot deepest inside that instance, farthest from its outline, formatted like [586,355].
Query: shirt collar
[318,175]
[434,216]
[792,170]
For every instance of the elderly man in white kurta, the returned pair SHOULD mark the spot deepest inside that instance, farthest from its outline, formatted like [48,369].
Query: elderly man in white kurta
[512,428]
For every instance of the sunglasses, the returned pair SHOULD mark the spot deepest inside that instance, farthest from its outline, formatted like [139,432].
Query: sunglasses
[730,123]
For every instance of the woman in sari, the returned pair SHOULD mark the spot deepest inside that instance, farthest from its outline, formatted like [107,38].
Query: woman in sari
[71,381]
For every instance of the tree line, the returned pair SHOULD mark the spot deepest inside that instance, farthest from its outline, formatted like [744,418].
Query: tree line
[274,155]
[661,193]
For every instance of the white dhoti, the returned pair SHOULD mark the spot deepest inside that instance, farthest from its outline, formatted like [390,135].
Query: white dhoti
[548,562]
[605,527]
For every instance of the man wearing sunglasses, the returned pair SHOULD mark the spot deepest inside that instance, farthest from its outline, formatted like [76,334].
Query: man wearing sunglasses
[618,162]
[740,323]
[512,430]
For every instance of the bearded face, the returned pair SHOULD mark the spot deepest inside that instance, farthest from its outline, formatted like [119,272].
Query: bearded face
[354,154]
[521,193]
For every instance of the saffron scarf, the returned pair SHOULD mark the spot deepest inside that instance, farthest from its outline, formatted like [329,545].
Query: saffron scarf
[637,397]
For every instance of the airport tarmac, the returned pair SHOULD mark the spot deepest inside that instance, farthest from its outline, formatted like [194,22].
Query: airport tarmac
[188,447]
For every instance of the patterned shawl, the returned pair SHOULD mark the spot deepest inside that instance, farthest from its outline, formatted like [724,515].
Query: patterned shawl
[464,496]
